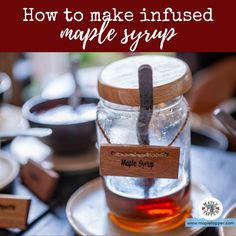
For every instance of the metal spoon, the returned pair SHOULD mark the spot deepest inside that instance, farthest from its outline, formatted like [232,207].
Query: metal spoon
[75,98]
[31,132]
[226,120]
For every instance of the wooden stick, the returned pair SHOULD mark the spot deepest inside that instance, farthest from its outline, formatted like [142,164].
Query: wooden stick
[145,114]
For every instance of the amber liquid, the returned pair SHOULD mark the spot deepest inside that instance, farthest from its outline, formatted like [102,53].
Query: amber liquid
[150,214]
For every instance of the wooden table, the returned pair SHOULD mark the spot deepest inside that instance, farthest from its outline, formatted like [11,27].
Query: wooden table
[213,168]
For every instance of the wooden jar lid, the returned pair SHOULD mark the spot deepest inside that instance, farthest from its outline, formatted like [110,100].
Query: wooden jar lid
[118,82]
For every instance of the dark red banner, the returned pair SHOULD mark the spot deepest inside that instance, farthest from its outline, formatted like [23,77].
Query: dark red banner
[75,25]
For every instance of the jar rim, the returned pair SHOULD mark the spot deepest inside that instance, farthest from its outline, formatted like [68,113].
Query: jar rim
[126,108]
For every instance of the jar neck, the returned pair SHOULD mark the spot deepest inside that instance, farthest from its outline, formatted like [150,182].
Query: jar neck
[161,106]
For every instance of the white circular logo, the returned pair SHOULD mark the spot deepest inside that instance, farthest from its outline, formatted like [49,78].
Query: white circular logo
[210,208]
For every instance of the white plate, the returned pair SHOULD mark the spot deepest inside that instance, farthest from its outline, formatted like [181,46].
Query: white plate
[11,118]
[225,231]
[24,148]
[87,212]
[9,170]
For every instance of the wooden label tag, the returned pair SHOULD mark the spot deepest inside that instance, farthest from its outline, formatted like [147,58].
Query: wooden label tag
[13,211]
[40,181]
[139,161]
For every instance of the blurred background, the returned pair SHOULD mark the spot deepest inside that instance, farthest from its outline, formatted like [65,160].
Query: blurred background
[48,74]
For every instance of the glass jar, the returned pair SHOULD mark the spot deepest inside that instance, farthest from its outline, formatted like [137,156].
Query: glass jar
[136,203]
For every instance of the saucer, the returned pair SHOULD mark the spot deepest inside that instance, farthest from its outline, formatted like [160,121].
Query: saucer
[9,169]
[25,148]
[87,212]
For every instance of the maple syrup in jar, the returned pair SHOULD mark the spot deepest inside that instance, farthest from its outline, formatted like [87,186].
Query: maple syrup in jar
[140,203]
